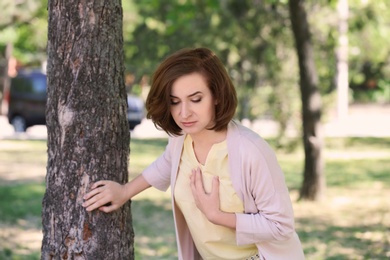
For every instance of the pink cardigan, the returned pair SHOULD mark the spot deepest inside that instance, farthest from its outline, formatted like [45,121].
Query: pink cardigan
[268,220]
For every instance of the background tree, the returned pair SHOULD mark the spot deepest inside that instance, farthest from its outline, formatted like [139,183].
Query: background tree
[313,178]
[342,80]
[88,133]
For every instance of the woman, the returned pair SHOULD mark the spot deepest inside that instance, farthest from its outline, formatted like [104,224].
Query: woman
[229,197]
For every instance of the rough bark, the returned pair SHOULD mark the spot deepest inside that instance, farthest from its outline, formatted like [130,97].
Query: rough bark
[88,133]
[313,185]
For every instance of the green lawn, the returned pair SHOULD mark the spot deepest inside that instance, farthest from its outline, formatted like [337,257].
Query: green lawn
[353,222]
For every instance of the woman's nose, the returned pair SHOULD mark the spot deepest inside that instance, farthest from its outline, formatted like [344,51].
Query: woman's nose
[185,111]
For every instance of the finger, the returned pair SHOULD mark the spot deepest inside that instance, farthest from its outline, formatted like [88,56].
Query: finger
[109,208]
[90,202]
[97,204]
[199,180]
[94,192]
[192,181]
[215,187]
[90,194]
[98,184]
[96,201]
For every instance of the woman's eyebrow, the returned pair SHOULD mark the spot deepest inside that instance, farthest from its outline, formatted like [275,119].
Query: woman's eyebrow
[195,93]
[191,95]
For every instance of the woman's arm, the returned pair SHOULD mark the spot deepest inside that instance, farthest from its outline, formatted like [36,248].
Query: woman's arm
[108,196]
[265,196]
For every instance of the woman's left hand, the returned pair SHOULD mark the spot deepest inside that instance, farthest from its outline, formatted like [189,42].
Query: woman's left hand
[208,203]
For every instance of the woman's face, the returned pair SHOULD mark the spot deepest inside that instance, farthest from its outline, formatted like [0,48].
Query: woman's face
[192,104]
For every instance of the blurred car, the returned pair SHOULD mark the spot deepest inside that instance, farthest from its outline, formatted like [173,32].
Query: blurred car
[135,110]
[27,102]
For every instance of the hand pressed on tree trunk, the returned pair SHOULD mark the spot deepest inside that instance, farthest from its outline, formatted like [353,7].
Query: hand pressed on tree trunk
[108,196]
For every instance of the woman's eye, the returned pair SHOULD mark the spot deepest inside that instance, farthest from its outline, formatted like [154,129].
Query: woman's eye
[174,102]
[197,100]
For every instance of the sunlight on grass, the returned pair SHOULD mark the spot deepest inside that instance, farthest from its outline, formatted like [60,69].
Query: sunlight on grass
[20,221]
[143,152]
[154,229]
[20,202]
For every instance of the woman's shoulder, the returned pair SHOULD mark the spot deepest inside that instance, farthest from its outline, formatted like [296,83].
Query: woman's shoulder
[243,133]
[242,136]
[175,142]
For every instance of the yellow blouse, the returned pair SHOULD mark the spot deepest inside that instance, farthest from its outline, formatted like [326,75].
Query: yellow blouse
[212,241]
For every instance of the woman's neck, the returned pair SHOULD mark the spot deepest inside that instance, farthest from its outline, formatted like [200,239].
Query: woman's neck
[203,143]
[208,138]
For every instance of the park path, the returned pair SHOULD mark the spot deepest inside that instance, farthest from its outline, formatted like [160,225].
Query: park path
[361,121]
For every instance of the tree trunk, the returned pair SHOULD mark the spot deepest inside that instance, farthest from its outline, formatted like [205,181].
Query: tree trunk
[88,132]
[6,79]
[313,180]
[342,61]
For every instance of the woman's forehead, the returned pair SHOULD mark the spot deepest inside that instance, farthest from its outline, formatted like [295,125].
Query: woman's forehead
[189,84]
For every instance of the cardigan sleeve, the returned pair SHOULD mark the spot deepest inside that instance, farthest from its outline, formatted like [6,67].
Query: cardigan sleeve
[158,173]
[269,214]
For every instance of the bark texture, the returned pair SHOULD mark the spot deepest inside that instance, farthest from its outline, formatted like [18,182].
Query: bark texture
[314,180]
[88,133]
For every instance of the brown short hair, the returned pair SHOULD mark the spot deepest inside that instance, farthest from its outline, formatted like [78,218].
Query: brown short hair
[184,62]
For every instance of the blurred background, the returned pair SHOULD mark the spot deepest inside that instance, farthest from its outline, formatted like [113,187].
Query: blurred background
[254,40]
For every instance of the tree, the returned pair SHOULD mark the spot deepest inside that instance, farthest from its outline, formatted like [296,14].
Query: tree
[314,180]
[88,133]
[342,60]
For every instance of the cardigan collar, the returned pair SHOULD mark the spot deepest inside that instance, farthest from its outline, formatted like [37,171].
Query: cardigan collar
[232,140]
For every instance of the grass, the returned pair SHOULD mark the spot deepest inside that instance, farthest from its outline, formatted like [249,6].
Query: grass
[353,222]
[26,201]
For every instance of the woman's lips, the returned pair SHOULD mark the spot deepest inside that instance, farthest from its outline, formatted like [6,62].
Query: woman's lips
[187,124]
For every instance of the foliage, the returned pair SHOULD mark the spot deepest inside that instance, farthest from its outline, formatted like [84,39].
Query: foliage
[24,23]
[370,58]
[253,38]
[241,34]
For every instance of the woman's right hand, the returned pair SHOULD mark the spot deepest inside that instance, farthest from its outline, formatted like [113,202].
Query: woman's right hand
[106,196]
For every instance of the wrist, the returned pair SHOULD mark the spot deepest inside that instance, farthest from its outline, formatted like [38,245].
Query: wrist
[215,217]
[127,191]
[222,218]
